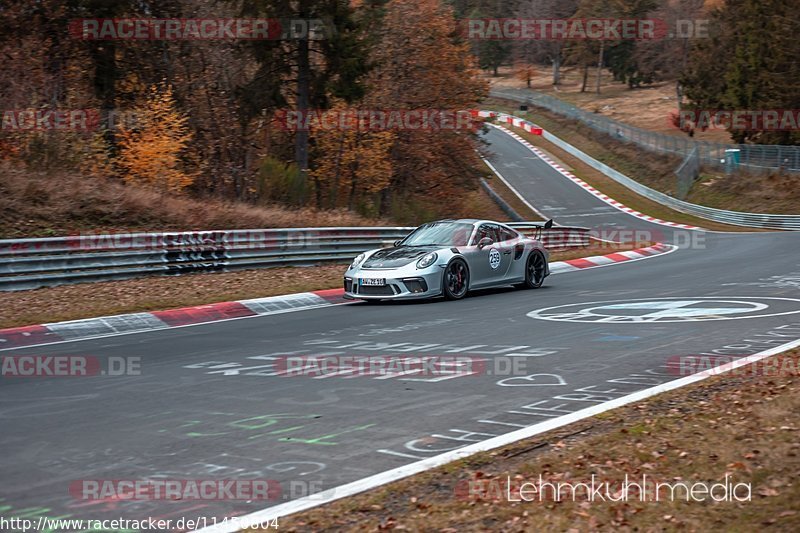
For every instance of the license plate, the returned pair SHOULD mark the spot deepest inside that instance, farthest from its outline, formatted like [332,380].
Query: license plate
[373,282]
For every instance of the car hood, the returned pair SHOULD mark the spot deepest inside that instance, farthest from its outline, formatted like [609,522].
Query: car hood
[397,256]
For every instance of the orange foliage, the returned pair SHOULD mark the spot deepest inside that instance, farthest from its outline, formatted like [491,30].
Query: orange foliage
[421,64]
[150,152]
[524,72]
[352,162]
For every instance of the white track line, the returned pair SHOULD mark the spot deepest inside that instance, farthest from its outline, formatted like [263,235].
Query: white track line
[377,480]
[515,191]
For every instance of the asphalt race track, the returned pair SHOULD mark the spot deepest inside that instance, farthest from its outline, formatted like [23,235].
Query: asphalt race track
[204,406]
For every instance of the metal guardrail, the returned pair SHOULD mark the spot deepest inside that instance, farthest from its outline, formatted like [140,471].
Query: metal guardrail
[46,262]
[737,218]
[751,157]
[501,203]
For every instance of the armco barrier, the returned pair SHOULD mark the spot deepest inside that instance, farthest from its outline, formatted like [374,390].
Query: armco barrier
[738,218]
[500,202]
[32,263]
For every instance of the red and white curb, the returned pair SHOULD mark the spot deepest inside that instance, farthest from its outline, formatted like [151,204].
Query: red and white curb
[531,128]
[610,259]
[108,326]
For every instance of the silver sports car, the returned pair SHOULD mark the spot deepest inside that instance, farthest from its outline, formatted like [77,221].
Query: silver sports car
[449,258]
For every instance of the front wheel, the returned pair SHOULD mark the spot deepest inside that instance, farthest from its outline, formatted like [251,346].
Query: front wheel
[456,280]
[535,270]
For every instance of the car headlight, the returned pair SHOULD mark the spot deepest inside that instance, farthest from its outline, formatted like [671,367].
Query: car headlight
[357,260]
[427,260]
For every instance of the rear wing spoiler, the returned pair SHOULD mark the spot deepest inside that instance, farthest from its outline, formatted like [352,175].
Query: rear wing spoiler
[539,228]
[546,225]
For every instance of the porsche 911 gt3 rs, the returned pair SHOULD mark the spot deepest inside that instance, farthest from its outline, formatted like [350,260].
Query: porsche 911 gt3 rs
[448,258]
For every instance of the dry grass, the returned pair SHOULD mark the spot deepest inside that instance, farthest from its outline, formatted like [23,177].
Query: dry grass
[743,425]
[71,302]
[59,203]
[38,204]
[478,204]
[764,193]
[648,107]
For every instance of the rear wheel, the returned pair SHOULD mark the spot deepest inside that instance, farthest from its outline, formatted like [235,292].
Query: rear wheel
[456,280]
[535,270]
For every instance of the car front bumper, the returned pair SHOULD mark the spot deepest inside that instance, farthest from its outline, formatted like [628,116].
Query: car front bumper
[400,283]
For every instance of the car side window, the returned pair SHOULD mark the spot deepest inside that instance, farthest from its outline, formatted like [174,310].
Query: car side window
[494,232]
[506,235]
[485,230]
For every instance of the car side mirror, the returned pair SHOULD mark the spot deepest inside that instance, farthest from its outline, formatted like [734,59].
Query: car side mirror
[397,243]
[483,243]
[548,224]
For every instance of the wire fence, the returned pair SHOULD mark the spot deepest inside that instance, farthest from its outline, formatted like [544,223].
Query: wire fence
[727,157]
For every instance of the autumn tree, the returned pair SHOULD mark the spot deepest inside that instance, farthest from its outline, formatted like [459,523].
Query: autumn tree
[304,71]
[421,63]
[151,151]
[524,71]
[352,163]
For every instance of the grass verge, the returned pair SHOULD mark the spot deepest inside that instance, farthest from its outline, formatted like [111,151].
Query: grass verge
[72,302]
[511,198]
[42,204]
[741,424]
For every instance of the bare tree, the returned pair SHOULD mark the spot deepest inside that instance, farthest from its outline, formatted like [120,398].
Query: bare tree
[544,51]
[666,58]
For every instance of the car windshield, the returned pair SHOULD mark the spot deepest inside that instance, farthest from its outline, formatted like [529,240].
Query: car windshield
[440,233]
